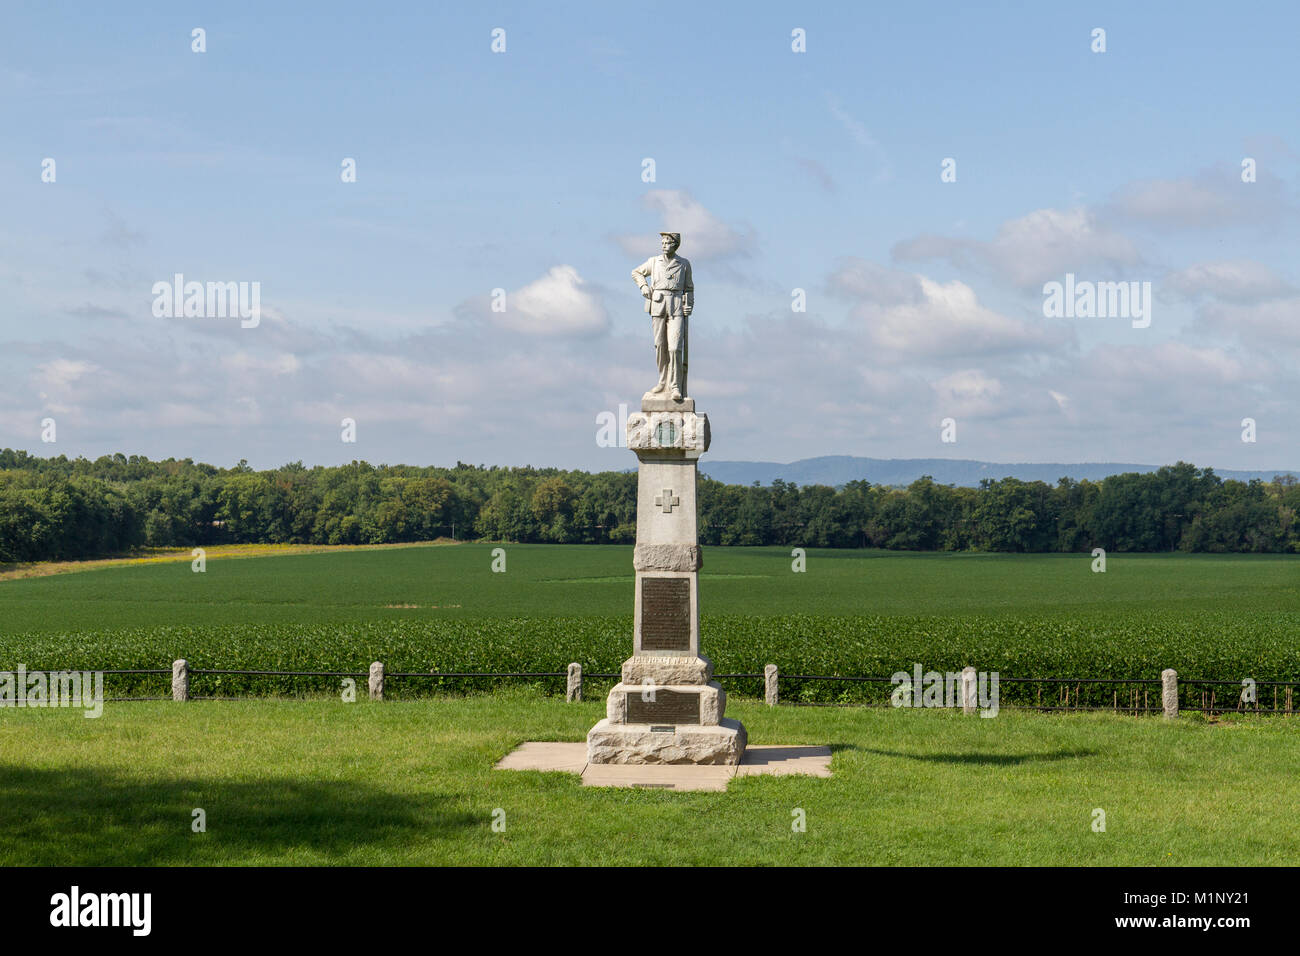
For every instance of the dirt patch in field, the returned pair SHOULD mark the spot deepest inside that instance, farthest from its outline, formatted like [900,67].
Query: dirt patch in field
[41,569]
[434,607]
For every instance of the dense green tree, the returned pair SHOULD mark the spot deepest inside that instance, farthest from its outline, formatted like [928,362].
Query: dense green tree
[52,508]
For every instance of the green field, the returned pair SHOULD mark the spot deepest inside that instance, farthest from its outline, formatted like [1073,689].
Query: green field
[316,780]
[457,583]
[323,782]
[850,613]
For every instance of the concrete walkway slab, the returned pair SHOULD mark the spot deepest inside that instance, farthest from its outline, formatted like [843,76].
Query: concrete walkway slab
[758,760]
[780,761]
[546,755]
[660,776]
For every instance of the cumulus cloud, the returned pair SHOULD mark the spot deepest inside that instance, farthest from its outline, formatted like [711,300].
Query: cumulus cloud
[60,373]
[1032,249]
[704,235]
[1265,325]
[244,363]
[1210,199]
[558,303]
[1231,280]
[871,374]
[1243,301]
[481,392]
[913,315]
[1182,362]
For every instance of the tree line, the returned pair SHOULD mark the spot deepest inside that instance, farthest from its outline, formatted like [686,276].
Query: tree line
[61,508]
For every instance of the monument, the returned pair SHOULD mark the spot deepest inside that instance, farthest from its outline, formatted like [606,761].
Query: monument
[666,709]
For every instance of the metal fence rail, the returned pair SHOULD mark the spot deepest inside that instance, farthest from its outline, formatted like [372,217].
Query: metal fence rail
[1069,691]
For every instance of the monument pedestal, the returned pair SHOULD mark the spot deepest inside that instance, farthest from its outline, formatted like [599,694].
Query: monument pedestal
[666,709]
[724,744]
[664,723]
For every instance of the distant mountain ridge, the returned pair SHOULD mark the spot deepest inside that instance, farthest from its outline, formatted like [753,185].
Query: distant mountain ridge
[839,469]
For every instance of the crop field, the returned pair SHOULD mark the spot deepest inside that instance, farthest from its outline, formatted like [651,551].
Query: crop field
[443,608]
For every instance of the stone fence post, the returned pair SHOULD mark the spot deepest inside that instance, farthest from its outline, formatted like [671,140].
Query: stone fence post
[770,691]
[181,679]
[969,698]
[1169,692]
[574,690]
[377,680]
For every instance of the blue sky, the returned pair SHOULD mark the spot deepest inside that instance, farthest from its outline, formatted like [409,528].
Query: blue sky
[522,170]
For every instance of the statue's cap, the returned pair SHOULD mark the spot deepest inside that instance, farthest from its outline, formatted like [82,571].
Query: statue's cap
[674,236]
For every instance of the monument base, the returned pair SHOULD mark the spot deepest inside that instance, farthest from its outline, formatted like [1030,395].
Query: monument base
[676,705]
[667,669]
[650,402]
[723,744]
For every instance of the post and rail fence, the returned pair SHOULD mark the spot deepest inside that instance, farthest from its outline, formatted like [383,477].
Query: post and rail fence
[1169,694]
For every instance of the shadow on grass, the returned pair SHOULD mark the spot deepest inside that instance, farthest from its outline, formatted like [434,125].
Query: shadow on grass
[81,816]
[990,760]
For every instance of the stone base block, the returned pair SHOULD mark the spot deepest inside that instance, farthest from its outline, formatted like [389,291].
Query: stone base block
[758,760]
[674,704]
[650,402]
[667,557]
[667,669]
[610,743]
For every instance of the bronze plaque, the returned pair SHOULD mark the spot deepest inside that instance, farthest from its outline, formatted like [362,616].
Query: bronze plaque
[666,614]
[668,707]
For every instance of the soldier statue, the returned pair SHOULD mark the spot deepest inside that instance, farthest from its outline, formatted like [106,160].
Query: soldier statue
[665,281]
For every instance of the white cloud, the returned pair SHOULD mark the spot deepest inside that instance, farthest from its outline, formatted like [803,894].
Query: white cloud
[1045,244]
[1232,280]
[284,363]
[704,235]
[1265,326]
[775,386]
[1192,367]
[61,373]
[1211,199]
[558,303]
[920,317]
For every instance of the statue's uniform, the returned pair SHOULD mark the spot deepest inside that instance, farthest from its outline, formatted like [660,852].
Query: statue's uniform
[671,288]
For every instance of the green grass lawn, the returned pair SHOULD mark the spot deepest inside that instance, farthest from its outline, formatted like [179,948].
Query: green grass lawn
[322,782]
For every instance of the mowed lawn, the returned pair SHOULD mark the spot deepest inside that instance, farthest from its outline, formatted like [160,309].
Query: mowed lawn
[324,782]
[438,583]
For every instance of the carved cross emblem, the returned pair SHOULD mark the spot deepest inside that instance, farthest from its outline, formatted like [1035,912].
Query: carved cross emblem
[667,500]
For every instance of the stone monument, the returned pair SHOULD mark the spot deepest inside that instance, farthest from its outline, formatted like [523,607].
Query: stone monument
[666,709]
